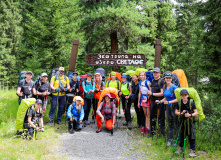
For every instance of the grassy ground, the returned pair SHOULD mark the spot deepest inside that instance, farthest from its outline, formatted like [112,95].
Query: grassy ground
[45,147]
[156,149]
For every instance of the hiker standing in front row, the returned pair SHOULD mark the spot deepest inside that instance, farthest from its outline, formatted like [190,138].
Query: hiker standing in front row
[156,94]
[187,111]
[59,84]
[26,87]
[114,83]
[88,89]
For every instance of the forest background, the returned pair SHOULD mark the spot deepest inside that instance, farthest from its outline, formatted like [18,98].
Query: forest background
[37,35]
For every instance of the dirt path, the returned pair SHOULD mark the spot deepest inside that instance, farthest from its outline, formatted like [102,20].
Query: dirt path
[89,145]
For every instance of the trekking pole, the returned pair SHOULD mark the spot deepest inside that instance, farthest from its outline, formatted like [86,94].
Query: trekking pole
[119,104]
[184,139]
[177,135]
[56,110]
[166,126]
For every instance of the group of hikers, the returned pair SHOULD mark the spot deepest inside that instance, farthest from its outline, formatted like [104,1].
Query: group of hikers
[150,99]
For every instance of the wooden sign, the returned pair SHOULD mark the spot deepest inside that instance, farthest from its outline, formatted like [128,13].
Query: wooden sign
[114,59]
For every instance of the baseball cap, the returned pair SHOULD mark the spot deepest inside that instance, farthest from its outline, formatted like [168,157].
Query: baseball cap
[61,68]
[168,75]
[184,91]
[78,98]
[75,73]
[124,76]
[29,72]
[44,74]
[38,101]
[156,69]
[113,73]
[89,74]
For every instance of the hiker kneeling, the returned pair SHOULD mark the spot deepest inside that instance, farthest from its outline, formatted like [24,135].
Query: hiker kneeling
[187,110]
[34,118]
[107,111]
[75,114]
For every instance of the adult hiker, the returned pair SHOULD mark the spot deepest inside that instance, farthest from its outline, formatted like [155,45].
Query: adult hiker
[43,89]
[114,83]
[125,92]
[134,99]
[99,86]
[170,101]
[143,101]
[187,111]
[106,111]
[26,87]
[75,84]
[156,94]
[76,114]
[88,89]
[59,84]
[34,118]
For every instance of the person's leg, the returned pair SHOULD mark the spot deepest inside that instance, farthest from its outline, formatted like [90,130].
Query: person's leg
[142,116]
[85,109]
[53,108]
[137,112]
[94,108]
[148,117]
[88,108]
[170,122]
[61,100]
[109,124]
[99,124]
[123,103]
[182,135]
[153,116]
[161,118]
[145,113]
[127,111]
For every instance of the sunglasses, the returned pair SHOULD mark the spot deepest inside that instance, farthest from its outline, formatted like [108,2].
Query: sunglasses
[75,75]
[61,71]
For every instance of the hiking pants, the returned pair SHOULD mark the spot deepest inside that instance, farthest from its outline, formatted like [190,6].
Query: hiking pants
[126,103]
[153,116]
[172,119]
[95,106]
[191,139]
[109,123]
[140,114]
[54,100]
[87,108]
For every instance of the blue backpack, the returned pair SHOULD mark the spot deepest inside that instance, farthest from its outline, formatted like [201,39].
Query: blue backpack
[146,85]
[149,75]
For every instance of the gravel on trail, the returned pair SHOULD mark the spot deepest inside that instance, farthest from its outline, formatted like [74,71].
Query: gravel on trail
[89,145]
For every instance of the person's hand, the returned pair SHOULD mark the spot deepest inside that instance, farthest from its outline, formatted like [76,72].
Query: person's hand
[127,97]
[187,115]
[37,128]
[166,102]
[112,126]
[97,89]
[80,121]
[157,102]
[42,130]
[48,93]
[77,90]
[149,93]
[120,93]
[57,90]
[138,105]
[70,89]
[21,93]
[102,119]
[44,93]
[184,111]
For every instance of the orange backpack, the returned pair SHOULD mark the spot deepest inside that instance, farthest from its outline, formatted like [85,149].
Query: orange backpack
[118,77]
[182,78]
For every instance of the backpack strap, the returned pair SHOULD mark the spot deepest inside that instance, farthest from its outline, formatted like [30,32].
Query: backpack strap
[179,103]
[146,85]
[118,84]
[191,103]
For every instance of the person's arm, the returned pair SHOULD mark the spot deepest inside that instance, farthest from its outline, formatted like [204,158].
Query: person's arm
[32,124]
[113,114]
[99,112]
[68,84]
[82,114]
[168,102]
[84,87]
[69,111]
[139,99]
[93,85]
[42,124]
[178,113]
[103,87]
[19,91]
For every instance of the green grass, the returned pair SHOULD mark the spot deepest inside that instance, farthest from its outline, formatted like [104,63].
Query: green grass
[156,149]
[45,147]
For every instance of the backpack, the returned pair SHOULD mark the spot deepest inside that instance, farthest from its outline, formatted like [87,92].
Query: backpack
[117,83]
[82,79]
[111,106]
[129,78]
[118,77]
[182,78]
[33,108]
[38,81]
[85,82]
[149,75]
[195,96]
[102,73]
[195,118]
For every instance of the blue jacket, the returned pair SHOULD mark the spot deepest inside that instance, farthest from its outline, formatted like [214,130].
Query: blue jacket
[88,86]
[73,112]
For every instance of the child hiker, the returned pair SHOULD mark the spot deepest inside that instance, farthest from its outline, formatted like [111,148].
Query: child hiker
[187,110]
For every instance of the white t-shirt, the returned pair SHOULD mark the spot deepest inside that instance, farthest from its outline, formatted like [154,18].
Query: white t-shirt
[143,88]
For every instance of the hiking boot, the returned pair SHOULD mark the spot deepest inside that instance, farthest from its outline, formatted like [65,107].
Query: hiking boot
[129,125]
[112,132]
[98,130]
[124,123]
[87,123]
[71,131]
[59,122]
[192,153]
[92,121]
[179,150]
[169,142]
[150,135]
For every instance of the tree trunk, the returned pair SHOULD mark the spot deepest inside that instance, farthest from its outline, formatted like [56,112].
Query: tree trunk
[114,46]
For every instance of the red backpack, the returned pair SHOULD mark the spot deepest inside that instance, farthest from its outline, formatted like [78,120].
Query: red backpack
[83,78]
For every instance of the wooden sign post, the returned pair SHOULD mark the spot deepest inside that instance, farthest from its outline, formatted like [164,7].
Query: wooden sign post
[74,53]
[157,53]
